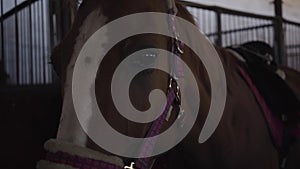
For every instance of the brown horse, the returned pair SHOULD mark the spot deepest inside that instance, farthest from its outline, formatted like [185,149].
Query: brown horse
[242,139]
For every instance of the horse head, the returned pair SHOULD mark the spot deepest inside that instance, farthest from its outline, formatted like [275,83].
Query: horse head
[93,15]
[242,139]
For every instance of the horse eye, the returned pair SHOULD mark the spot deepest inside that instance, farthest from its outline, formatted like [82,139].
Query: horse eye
[151,55]
[146,59]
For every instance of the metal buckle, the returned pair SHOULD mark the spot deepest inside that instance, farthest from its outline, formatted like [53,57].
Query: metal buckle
[130,167]
[177,89]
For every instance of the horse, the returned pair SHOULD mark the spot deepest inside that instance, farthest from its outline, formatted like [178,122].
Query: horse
[241,140]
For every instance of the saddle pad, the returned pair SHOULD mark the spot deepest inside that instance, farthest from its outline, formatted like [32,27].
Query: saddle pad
[276,126]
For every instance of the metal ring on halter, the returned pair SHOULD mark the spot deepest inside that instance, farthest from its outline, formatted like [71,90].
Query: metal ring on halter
[177,89]
[179,47]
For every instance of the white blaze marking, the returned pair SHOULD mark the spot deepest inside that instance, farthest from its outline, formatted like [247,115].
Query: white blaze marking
[69,128]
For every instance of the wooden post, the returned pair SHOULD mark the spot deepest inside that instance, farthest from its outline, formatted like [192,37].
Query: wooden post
[280,54]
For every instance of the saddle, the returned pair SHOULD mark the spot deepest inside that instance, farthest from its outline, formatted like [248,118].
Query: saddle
[261,67]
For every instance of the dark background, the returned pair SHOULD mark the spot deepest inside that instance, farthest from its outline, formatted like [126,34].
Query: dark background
[29,116]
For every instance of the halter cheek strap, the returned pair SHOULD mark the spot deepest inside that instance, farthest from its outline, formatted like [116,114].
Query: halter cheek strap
[148,146]
[172,5]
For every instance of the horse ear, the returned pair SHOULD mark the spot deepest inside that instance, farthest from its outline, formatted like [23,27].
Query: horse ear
[56,60]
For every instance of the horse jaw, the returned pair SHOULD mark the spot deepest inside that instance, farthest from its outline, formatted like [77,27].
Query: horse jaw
[70,129]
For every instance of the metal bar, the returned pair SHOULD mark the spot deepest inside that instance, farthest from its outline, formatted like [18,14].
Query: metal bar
[17,44]
[278,8]
[241,29]
[51,24]
[233,38]
[253,30]
[24,55]
[59,20]
[298,58]
[43,44]
[235,22]
[39,51]
[2,40]
[256,31]
[27,32]
[219,29]
[279,42]
[31,44]
[230,36]
[270,34]
[22,62]
[290,22]
[15,9]
[293,46]
[5,37]
[224,10]
[48,42]
[278,31]
[264,33]
[206,29]
[34,42]
[295,50]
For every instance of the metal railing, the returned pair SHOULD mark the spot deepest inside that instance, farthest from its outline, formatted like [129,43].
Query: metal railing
[226,27]
[292,44]
[26,43]
[28,31]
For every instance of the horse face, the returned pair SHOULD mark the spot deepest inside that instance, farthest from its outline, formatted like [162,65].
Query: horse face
[91,16]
